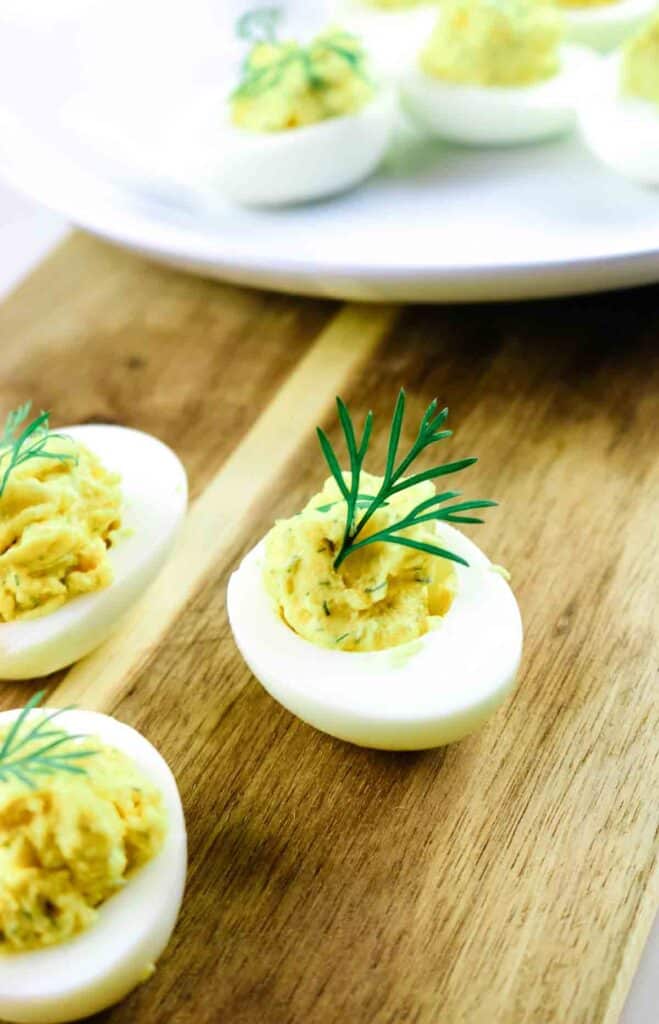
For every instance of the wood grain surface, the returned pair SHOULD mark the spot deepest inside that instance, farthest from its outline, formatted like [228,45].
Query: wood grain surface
[508,879]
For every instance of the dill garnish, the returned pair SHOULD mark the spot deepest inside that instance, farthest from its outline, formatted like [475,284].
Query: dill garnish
[21,443]
[49,757]
[394,481]
[363,501]
[259,27]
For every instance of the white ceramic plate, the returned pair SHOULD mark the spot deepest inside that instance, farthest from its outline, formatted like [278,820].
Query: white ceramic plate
[437,223]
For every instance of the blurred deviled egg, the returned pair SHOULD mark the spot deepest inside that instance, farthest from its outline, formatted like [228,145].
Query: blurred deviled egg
[371,617]
[604,24]
[619,116]
[92,862]
[306,121]
[87,519]
[495,72]
[393,30]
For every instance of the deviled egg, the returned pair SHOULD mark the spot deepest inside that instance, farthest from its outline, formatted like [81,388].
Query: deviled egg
[306,121]
[371,617]
[495,73]
[87,519]
[92,862]
[393,30]
[604,24]
[619,116]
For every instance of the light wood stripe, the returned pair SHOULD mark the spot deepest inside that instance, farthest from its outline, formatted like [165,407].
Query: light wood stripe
[218,517]
[632,950]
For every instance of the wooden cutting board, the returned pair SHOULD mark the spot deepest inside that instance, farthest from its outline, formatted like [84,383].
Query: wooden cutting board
[508,879]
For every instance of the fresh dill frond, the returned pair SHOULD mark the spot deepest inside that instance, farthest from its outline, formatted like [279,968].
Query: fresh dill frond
[394,481]
[20,442]
[49,757]
[363,501]
[259,25]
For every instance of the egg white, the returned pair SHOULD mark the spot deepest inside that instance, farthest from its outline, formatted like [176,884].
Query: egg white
[497,115]
[391,37]
[103,964]
[154,488]
[622,131]
[301,164]
[419,695]
[605,27]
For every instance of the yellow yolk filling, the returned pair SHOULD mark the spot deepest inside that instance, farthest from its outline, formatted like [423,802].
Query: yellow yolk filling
[494,42]
[288,86]
[394,5]
[69,844]
[381,596]
[640,63]
[57,520]
[586,3]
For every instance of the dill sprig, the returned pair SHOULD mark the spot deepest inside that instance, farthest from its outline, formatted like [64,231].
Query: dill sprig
[49,757]
[260,26]
[394,481]
[21,443]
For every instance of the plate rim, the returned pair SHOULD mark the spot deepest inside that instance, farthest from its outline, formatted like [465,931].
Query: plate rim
[108,212]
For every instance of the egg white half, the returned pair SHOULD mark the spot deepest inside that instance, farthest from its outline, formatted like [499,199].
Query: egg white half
[621,131]
[104,963]
[605,27]
[301,164]
[154,487]
[424,694]
[497,115]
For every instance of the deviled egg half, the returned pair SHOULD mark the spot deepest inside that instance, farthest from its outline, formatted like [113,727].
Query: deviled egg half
[495,72]
[93,858]
[393,30]
[306,121]
[371,617]
[619,116]
[604,24]
[88,517]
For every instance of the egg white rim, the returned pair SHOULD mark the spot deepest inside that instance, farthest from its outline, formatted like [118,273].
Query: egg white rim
[388,685]
[50,969]
[151,485]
